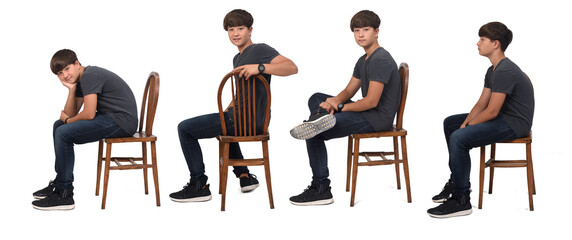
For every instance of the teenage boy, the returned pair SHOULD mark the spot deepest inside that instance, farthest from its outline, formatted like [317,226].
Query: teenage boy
[109,110]
[503,112]
[331,117]
[252,59]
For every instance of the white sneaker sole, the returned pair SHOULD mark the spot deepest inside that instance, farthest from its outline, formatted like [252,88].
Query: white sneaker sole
[318,202]
[249,188]
[310,129]
[61,207]
[195,199]
[455,214]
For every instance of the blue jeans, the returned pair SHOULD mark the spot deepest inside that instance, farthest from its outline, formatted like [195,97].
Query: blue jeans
[347,123]
[461,140]
[205,126]
[80,132]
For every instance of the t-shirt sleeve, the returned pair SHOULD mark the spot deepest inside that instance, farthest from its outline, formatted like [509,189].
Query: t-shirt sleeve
[266,53]
[356,71]
[91,84]
[504,82]
[381,72]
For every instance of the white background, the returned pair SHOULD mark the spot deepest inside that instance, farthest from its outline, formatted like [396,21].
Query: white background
[185,43]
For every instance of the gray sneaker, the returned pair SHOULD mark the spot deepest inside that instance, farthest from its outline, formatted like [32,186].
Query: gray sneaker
[315,125]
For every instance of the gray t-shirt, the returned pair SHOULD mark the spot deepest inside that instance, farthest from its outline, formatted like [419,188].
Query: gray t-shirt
[380,67]
[257,54]
[114,97]
[518,107]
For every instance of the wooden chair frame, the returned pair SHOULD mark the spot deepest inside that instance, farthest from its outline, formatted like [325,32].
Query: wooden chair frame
[493,163]
[148,109]
[397,132]
[244,115]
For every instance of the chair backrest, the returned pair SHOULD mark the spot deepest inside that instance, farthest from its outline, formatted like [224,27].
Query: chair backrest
[149,104]
[244,100]
[404,77]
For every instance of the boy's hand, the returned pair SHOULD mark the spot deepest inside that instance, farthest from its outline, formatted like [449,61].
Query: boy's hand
[247,70]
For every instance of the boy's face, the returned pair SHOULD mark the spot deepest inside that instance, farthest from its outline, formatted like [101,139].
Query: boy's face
[239,35]
[70,74]
[486,46]
[365,36]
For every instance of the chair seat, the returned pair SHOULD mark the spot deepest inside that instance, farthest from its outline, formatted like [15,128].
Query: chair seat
[527,139]
[391,133]
[256,138]
[137,137]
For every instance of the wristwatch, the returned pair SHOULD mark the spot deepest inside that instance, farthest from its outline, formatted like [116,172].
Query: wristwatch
[340,107]
[261,68]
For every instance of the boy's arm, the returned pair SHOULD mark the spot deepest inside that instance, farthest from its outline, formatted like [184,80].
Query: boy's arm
[73,103]
[279,66]
[487,108]
[88,112]
[369,101]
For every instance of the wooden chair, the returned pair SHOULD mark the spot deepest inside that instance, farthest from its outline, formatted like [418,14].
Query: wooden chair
[245,130]
[148,108]
[493,163]
[395,132]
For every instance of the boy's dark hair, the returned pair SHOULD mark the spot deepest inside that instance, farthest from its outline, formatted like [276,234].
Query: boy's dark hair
[365,18]
[237,17]
[497,31]
[61,59]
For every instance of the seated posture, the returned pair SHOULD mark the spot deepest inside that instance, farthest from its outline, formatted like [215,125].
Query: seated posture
[377,75]
[503,112]
[109,110]
[251,60]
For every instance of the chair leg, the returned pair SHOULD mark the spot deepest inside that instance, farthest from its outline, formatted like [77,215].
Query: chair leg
[530,176]
[224,176]
[348,175]
[354,171]
[267,173]
[406,168]
[220,161]
[144,154]
[491,178]
[155,172]
[106,175]
[99,162]
[481,176]
[396,157]
[491,168]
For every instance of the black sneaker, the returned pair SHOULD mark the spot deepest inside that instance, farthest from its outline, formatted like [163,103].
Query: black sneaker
[453,207]
[44,192]
[55,201]
[311,196]
[192,193]
[316,124]
[445,193]
[248,183]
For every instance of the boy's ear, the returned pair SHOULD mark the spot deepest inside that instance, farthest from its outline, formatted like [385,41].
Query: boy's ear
[496,44]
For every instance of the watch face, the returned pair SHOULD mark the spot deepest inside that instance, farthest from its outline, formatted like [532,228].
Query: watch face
[261,68]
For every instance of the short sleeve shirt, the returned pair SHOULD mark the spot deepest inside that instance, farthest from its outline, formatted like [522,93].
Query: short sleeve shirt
[380,67]
[518,107]
[114,96]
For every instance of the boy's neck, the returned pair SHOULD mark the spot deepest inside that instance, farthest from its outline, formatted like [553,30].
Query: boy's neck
[370,49]
[241,48]
[495,58]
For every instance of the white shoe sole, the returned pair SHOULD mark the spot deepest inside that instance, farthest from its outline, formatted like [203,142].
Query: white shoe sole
[62,207]
[196,199]
[318,202]
[310,129]
[455,214]
[249,188]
